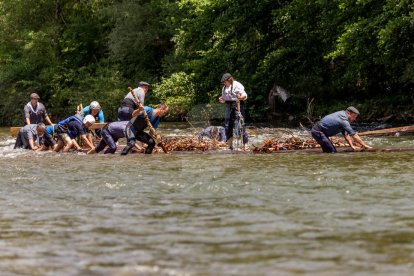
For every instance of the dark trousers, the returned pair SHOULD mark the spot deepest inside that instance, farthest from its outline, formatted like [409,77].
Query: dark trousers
[323,140]
[20,142]
[125,113]
[230,115]
[107,140]
[132,135]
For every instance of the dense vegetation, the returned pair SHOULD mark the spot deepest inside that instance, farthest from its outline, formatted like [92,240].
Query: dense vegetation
[337,52]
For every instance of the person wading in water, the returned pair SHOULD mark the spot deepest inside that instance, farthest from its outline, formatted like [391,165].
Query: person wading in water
[232,93]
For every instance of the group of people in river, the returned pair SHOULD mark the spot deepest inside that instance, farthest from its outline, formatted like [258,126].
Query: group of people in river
[134,117]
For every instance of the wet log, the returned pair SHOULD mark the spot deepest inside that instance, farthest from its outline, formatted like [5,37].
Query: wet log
[15,130]
[385,131]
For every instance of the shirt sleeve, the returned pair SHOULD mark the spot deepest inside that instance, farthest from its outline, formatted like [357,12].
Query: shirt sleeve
[155,125]
[347,127]
[101,117]
[85,111]
[26,111]
[239,89]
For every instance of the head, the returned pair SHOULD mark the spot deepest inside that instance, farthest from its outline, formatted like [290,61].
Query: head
[352,113]
[41,129]
[162,109]
[95,108]
[88,121]
[214,133]
[34,98]
[227,79]
[144,85]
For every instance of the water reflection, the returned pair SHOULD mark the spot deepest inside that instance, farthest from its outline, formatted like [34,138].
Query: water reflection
[207,214]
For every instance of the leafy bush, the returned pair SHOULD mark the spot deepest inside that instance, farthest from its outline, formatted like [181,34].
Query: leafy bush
[178,92]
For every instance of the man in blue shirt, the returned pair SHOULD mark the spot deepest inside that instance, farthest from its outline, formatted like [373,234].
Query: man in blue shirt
[135,127]
[70,128]
[335,123]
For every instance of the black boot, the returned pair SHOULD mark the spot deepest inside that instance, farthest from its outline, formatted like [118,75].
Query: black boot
[126,150]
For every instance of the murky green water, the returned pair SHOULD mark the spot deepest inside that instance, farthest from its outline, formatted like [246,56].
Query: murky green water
[207,214]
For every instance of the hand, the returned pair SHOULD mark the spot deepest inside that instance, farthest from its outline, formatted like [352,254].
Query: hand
[221,100]
[355,148]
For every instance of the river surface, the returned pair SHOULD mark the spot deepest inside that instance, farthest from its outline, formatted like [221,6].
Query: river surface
[207,214]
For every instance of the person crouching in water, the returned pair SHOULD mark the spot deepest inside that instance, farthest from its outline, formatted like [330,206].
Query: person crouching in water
[28,135]
[70,128]
[334,123]
[135,127]
[110,135]
[214,133]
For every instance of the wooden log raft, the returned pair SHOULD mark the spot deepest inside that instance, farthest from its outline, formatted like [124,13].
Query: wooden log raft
[15,130]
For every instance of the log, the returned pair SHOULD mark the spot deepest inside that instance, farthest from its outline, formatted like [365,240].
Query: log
[15,130]
[404,129]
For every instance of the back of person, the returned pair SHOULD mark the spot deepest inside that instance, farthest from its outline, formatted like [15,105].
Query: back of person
[335,123]
[73,126]
[117,129]
[129,103]
[25,133]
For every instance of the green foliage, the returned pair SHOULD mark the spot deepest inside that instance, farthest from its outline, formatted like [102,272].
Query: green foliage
[338,51]
[178,92]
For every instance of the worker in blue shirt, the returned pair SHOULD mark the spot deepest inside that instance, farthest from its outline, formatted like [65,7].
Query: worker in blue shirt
[335,123]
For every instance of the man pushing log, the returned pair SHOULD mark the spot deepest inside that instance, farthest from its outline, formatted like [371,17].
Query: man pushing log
[335,123]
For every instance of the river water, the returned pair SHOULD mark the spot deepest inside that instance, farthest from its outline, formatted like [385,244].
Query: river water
[207,214]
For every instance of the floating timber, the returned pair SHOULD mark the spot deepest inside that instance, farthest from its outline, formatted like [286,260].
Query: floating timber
[15,130]
[385,131]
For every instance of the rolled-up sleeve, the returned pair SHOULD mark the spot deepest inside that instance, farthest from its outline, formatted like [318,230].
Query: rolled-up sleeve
[239,89]
[347,127]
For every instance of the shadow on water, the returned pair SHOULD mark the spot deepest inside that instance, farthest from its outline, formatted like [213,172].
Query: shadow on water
[208,214]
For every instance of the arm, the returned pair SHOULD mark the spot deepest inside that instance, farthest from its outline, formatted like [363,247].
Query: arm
[240,92]
[48,120]
[32,144]
[349,141]
[101,117]
[138,111]
[358,139]
[26,115]
[86,141]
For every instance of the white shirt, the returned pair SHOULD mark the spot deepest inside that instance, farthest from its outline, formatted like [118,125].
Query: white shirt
[229,93]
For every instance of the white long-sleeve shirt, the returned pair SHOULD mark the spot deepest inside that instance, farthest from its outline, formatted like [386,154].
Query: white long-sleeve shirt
[229,93]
